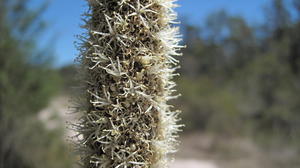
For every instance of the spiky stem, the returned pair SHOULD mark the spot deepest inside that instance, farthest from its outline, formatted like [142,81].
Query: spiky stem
[127,59]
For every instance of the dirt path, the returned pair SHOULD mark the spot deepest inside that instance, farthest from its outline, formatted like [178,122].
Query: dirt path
[189,163]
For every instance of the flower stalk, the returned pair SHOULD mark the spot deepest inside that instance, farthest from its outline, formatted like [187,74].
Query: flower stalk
[127,65]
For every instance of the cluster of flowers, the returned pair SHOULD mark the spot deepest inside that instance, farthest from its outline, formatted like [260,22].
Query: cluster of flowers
[127,63]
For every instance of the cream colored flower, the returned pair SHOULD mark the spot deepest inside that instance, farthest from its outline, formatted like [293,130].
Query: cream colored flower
[127,60]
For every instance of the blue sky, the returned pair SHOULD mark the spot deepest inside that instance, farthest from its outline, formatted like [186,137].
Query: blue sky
[63,17]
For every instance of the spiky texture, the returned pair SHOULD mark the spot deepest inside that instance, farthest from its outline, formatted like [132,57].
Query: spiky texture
[127,59]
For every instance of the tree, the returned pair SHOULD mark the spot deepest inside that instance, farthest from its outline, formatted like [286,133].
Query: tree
[26,85]
[278,18]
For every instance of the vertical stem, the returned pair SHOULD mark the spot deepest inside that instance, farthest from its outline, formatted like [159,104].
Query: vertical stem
[128,66]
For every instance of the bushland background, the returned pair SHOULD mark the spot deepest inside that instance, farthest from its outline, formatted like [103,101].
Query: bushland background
[240,82]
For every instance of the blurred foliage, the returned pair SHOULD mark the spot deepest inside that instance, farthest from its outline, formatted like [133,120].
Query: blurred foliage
[240,79]
[243,79]
[236,78]
[27,82]
[69,75]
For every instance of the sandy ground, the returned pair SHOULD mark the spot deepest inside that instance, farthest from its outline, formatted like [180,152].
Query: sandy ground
[190,163]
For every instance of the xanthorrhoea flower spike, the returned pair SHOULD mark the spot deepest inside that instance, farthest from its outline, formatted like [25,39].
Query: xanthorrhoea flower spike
[127,60]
